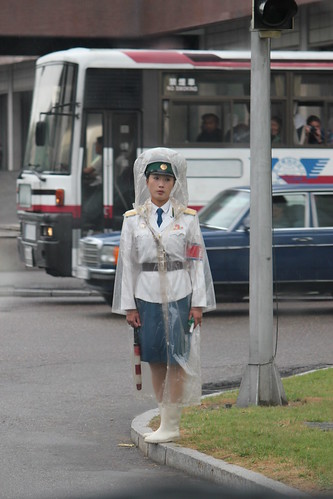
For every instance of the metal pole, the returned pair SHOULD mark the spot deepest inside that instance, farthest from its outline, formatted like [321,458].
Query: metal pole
[261,384]
[10,122]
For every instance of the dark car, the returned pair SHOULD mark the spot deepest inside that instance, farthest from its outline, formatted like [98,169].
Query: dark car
[302,243]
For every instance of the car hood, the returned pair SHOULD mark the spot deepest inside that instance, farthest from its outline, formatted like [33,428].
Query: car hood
[112,238]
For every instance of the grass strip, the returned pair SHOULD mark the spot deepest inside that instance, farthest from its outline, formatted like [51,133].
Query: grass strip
[275,441]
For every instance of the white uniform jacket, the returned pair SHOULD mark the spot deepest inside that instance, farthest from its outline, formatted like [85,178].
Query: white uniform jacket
[187,264]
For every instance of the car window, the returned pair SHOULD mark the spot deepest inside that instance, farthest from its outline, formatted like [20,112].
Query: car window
[289,210]
[324,210]
[224,210]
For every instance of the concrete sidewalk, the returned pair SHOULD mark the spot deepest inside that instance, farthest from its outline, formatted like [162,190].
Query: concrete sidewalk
[21,284]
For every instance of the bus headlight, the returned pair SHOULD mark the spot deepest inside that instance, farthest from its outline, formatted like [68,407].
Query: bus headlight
[109,255]
[46,231]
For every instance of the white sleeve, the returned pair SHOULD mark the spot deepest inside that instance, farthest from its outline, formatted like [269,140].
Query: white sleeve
[123,294]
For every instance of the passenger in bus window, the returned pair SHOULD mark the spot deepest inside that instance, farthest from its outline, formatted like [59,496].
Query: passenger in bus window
[93,173]
[210,131]
[240,134]
[92,198]
[276,126]
[314,134]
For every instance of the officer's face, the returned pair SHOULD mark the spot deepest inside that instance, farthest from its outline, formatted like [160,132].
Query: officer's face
[160,187]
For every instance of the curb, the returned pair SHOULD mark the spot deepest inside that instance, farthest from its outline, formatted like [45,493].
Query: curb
[202,466]
[53,293]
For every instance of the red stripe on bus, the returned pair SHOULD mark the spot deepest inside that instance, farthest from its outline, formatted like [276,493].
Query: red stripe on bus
[161,57]
[224,64]
[158,57]
[74,210]
[302,179]
[301,65]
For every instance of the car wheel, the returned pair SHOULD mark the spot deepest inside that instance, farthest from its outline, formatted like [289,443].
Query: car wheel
[108,298]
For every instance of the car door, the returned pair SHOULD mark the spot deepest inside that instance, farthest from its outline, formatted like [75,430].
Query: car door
[294,241]
[228,254]
[322,212]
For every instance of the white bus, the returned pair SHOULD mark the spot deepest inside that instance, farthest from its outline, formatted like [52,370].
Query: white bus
[125,101]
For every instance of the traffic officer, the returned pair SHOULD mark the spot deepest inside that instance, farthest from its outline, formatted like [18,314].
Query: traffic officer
[163,283]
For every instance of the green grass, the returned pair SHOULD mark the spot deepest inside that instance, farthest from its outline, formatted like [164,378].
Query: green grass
[274,441]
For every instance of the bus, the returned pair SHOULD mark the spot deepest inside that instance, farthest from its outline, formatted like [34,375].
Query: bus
[95,110]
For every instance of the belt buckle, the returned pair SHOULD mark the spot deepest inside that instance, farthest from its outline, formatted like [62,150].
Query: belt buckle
[162,265]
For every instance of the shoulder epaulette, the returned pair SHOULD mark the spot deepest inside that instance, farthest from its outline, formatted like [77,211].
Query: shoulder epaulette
[130,213]
[189,211]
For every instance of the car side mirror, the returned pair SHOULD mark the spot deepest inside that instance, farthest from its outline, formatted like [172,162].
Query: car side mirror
[40,133]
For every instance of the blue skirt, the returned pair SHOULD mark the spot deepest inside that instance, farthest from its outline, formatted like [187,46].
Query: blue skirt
[164,338]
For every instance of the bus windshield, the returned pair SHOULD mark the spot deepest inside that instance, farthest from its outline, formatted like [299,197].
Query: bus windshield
[51,126]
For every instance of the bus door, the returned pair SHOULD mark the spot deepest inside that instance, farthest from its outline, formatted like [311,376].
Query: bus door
[92,178]
[124,135]
[111,141]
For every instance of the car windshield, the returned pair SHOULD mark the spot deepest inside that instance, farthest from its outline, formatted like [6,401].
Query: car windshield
[224,209]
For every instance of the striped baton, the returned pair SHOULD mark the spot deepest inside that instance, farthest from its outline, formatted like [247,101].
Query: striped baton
[137,359]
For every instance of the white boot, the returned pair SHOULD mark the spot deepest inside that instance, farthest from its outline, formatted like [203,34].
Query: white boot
[169,427]
[150,432]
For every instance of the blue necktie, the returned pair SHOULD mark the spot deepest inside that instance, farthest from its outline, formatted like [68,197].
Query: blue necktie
[159,212]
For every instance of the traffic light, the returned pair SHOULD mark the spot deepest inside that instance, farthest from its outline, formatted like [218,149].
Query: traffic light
[273,15]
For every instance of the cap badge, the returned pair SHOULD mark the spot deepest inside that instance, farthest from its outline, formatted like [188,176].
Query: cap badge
[164,167]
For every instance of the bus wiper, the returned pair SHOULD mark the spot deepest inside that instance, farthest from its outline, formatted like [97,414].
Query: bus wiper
[35,172]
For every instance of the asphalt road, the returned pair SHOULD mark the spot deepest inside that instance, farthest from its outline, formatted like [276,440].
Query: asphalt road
[67,400]
[66,394]
[67,403]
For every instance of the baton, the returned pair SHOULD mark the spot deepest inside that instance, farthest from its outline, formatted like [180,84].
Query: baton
[137,360]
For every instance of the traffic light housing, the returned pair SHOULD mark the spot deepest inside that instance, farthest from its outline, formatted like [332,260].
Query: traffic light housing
[273,15]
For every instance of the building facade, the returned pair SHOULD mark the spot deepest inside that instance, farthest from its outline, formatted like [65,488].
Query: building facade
[192,24]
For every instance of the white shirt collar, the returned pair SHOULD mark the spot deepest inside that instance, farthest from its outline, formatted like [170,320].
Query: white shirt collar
[165,207]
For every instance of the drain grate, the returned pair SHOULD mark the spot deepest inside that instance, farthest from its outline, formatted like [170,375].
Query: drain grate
[321,426]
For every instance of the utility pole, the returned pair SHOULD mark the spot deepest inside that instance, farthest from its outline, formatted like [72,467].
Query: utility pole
[261,383]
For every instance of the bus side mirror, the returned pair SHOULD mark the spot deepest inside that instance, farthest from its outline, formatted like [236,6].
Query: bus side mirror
[40,133]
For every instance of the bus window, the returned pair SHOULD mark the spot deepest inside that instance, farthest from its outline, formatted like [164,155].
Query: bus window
[330,125]
[278,85]
[237,124]
[278,129]
[207,123]
[311,121]
[206,84]
[194,123]
[92,174]
[309,85]
[201,107]
[309,124]
[125,141]
[55,108]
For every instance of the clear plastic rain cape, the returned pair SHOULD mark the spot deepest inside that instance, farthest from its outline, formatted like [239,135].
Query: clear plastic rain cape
[163,272]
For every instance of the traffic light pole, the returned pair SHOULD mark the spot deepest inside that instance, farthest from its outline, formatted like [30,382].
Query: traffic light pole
[261,383]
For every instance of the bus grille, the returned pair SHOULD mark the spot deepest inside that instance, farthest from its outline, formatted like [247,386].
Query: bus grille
[90,253]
